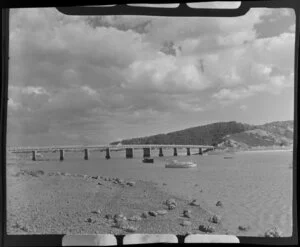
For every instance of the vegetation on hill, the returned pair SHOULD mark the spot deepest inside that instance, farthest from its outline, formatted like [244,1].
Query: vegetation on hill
[224,134]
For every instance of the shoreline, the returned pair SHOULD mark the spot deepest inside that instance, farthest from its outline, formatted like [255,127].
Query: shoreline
[63,203]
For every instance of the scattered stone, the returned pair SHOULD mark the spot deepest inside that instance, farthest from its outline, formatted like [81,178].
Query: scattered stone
[161,212]
[195,203]
[120,216]
[89,220]
[187,213]
[171,201]
[186,223]
[273,232]
[152,213]
[131,183]
[108,216]
[171,206]
[219,204]
[206,228]
[215,219]
[135,218]
[244,227]
[144,215]
[130,228]
[96,211]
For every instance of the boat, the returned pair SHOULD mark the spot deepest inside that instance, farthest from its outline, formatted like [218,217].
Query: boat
[182,164]
[147,160]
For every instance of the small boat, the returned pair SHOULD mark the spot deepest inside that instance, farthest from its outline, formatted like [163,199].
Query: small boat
[147,160]
[183,164]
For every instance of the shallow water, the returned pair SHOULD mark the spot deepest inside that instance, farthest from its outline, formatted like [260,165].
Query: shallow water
[254,187]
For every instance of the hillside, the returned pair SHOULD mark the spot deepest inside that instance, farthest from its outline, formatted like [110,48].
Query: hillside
[225,134]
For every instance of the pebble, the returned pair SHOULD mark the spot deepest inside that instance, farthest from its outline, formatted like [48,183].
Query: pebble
[186,223]
[219,204]
[244,227]
[215,219]
[131,183]
[161,212]
[171,206]
[108,216]
[152,213]
[144,215]
[187,213]
[273,232]
[130,228]
[135,218]
[171,201]
[195,203]
[205,228]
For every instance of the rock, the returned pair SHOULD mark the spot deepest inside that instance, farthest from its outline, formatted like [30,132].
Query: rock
[130,228]
[171,201]
[273,232]
[201,190]
[244,227]
[135,218]
[89,220]
[186,223]
[94,177]
[161,212]
[206,228]
[171,206]
[219,204]
[196,185]
[152,213]
[96,211]
[215,219]
[164,184]
[187,213]
[131,183]
[144,215]
[119,217]
[100,183]
[108,216]
[195,203]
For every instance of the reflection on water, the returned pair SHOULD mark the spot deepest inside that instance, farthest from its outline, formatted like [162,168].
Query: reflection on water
[255,188]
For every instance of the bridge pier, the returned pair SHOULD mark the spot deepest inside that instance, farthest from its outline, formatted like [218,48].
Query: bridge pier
[129,153]
[188,151]
[200,151]
[86,154]
[61,154]
[34,155]
[160,152]
[107,156]
[175,152]
[146,152]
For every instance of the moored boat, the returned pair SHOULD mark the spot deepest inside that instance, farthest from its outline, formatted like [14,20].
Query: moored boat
[182,164]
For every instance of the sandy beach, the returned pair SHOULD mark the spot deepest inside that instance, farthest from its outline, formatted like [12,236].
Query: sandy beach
[64,203]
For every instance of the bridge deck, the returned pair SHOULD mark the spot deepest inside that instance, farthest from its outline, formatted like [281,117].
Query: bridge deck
[101,147]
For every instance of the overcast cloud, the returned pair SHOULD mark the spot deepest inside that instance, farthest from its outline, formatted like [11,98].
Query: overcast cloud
[93,80]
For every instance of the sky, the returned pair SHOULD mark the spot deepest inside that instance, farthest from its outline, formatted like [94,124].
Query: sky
[92,80]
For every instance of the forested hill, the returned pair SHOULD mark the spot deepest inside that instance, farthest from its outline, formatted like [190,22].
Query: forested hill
[224,134]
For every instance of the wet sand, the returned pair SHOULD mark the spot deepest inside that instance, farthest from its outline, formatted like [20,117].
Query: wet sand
[41,202]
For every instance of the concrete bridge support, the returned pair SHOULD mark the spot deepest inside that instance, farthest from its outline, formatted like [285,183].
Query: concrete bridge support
[34,155]
[107,156]
[175,152]
[161,154]
[146,152]
[200,151]
[129,153]
[86,154]
[61,154]
[188,151]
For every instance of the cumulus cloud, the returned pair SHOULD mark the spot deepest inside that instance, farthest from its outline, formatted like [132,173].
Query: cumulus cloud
[76,78]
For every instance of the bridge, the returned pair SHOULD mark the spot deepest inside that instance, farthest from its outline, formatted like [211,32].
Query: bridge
[108,148]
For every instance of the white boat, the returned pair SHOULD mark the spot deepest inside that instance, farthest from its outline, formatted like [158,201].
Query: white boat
[181,164]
